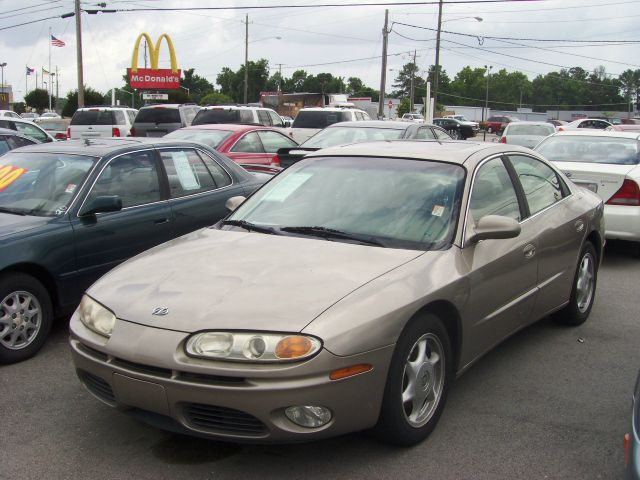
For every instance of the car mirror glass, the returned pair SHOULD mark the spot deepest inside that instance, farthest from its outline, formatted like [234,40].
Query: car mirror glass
[493,227]
[234,202]
[103,204]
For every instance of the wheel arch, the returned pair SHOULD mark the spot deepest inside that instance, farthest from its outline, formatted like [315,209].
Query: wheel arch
[450,317]
[595,238]
[39,273]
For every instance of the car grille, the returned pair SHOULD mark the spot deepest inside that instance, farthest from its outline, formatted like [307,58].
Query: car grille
[222,419]
[98,387]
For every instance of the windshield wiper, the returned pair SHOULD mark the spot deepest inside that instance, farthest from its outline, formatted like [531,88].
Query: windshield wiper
[11,210]
[250,226]
[327,233]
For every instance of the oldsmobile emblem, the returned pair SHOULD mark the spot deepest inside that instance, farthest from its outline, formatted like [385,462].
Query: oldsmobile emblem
[160,311]
[568,174]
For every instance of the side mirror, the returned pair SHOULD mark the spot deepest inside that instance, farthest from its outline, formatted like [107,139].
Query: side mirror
[111,203]
[494,227]
[234,202]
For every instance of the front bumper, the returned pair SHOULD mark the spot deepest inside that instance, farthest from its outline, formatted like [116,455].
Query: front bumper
[243,403]
[622,222]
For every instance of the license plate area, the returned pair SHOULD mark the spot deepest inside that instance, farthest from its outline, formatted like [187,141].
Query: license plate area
[588,185]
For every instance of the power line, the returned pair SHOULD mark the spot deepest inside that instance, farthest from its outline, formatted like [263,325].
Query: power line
[520,10]
[32,6]
[485,37]
[47,9]
[35,21]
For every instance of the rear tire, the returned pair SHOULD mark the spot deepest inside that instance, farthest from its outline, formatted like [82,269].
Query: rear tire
[26,316]
[418,382]
[583,292]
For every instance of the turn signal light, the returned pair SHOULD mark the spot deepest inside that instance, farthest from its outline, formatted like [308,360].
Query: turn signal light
[350,371]
[293,346]
[628,194]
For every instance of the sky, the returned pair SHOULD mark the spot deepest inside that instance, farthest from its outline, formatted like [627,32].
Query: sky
[338,40]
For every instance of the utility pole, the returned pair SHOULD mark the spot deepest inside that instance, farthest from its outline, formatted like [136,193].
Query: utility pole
[411,89]
[57,85]
[520,96]
[79,55]
[383,73]
[486,97]
[246,58]
[279,76]
[50,86]
[436,73]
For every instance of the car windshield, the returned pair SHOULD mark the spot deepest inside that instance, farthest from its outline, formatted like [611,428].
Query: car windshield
[400,203]
[578,148]
[212,138]
[41,184]
[330,137]
[537,130]
[318,119]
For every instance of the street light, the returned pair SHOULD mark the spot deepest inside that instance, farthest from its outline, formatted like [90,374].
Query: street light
[185,88]
[436,73]
[486,98]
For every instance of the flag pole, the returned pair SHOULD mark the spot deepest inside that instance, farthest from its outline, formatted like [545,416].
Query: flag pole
[49,72]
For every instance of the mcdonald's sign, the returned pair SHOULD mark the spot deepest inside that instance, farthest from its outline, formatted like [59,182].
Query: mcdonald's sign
[154,78]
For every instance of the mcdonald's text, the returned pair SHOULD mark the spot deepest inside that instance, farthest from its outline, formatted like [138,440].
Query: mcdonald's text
[157,79]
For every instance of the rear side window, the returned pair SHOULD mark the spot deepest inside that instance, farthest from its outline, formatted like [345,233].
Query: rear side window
[32,131]
[4,146]
[425,134]
[274,141]
[186,172]
[541,185]
[263,118]
[93,117]
[250,143]
[276,121]
[220,176]
[119,117]
[158,115]
[17,142]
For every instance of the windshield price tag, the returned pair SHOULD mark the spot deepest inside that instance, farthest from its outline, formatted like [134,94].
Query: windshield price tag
[8,175]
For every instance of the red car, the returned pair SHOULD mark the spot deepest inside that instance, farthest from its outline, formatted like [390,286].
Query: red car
[497,123]
[245,144]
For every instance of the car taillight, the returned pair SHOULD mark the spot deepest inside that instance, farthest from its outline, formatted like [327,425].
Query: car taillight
[115,132]
[132,132]
[628,194]
[275,161]
[69,132]
[503,139]
[60,136]
[560,129]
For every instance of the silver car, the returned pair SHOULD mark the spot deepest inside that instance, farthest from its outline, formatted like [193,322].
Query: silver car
[526,134]
[345,294]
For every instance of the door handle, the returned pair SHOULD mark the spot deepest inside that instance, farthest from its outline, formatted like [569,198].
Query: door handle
[529,251]
[160,221]
[579,225]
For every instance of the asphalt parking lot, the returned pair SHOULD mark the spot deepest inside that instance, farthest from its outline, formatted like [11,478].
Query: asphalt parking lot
[551,402]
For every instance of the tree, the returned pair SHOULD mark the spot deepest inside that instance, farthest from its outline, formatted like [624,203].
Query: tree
[216,98]
[38,98]
[232,83]
[404,107]
[403,82]
[19,107]
[91,97]
[198,86]
[354,85]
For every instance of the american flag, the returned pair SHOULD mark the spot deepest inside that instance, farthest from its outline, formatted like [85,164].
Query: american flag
[56,42]
[30,71]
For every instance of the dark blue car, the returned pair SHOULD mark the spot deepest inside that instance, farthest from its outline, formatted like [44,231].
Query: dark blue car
[71,211]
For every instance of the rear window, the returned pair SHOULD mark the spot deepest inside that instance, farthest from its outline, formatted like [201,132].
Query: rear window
[53,126]
[158,115]
[574,148]
[223,116]
[318,119]
[539,130]
[93,117]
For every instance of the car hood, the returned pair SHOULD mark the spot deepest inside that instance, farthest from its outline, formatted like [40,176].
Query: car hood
[214,279]
[11,224]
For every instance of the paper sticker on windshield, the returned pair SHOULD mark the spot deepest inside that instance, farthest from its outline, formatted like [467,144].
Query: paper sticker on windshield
[9,174]
[437,211]
[186,176]
[287,186]
[70,188]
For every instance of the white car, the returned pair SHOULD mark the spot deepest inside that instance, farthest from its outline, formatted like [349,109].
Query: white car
[526,134]
[101,121]
[310,121]
[605,163]
[413,117]
[590,123]
[26,127]
[9,113]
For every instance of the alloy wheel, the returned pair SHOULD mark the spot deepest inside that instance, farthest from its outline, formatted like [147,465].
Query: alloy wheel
[585,282]
[20,319]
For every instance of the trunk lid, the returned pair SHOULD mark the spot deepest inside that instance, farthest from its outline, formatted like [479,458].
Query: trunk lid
[606,178]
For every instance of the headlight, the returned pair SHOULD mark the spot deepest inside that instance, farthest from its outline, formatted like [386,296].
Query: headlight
[96,317]
[252,346]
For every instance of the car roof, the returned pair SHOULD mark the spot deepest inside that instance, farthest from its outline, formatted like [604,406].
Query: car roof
[232,127]
[451,151]
[578,120]
[393,124]
[101,146]
[598,133]
[529,122]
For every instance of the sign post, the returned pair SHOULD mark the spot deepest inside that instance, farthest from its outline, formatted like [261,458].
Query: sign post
[390,107]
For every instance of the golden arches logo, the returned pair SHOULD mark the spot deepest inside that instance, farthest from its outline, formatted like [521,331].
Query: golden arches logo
[154,52]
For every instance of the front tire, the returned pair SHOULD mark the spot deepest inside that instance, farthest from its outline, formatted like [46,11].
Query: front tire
[417,383]
[26,316]
[583,291]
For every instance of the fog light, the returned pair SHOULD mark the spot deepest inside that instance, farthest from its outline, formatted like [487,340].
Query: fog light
[309,416]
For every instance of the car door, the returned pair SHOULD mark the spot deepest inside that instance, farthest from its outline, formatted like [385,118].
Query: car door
[249,149]
[198,187]
[502,272]
[104,240]
[560,230]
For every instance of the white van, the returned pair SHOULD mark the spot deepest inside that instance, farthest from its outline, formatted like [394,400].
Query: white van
[101,121]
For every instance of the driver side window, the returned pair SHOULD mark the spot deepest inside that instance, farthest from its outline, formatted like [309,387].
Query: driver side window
[493,192]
